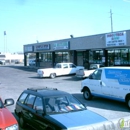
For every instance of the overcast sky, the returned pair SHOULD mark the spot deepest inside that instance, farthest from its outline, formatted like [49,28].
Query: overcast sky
[26,21]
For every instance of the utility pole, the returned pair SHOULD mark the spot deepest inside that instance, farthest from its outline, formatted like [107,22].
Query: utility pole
[111,20]
[5,42]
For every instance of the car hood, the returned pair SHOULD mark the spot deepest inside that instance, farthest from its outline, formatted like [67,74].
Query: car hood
[6,118]
[78,119]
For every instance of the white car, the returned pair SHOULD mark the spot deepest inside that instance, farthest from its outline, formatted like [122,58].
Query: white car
[60,69]
[108,82]
[83,73]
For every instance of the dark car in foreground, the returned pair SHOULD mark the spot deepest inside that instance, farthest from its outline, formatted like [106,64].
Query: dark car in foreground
[52,109]
[7,120]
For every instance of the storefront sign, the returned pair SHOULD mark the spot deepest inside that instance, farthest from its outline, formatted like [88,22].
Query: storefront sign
[61,46]
[28,48]
[42,47]
[116,39]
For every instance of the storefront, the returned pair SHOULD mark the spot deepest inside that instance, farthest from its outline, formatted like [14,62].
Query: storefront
[108,49]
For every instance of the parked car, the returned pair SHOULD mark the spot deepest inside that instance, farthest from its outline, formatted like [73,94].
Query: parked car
[60,69]
[17,62]
[2,62]
[83,73]
[108,82]
[7,120]
[52,109]
[32,62]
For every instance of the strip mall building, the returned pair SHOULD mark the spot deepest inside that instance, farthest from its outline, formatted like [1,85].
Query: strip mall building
[108,49]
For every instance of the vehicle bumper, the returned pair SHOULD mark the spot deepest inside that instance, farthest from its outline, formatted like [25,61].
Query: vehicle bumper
[40,75]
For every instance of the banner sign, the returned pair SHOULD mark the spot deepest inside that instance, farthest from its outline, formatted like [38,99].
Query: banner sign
[61,46]
[116,39]
[42,47]
[28,48]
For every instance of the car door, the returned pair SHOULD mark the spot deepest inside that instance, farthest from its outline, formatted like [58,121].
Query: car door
[27,110]
[106,85]
[66,69]
[37,117]
[117,82]
[95,82]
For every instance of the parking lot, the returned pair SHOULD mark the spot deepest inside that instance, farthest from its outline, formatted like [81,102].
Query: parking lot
[15,78]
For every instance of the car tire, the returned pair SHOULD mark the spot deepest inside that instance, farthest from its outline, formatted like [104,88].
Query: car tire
[22,122]
[87,94]
[52,75]
[128,102]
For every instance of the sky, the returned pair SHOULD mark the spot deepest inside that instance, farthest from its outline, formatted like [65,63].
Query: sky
[26,21]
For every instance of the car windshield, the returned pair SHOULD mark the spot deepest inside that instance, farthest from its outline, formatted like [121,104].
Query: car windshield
[62,104]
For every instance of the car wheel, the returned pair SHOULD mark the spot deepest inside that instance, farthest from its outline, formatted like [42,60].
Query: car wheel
[87,94]
[128,102]
[52,75]
[22,122]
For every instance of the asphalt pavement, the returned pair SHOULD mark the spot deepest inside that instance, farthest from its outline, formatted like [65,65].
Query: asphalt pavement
[16,78]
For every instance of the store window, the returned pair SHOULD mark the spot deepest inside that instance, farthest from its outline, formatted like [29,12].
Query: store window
[61,57]
[122,56]
[31,55]
[125,56]
[95,56]
[45,57]
[119,57]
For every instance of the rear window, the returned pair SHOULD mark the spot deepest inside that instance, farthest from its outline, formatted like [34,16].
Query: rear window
[58,66]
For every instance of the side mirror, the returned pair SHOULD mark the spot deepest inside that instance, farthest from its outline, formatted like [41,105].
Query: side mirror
[8,102]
